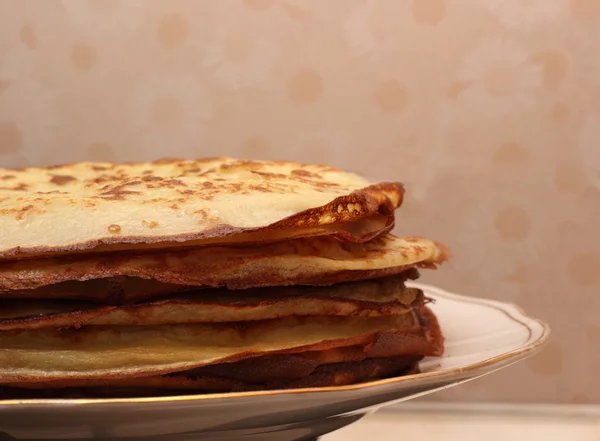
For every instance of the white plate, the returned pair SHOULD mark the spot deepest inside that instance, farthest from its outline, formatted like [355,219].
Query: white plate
[477,331]
[481,336]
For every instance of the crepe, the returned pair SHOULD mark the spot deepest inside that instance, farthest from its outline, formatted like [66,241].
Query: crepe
[256,371]
[370,298]
[174,203]
[113,352]
[315,261]
[337,374]
[379,356]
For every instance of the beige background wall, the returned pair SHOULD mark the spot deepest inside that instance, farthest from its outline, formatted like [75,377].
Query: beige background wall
[489,110]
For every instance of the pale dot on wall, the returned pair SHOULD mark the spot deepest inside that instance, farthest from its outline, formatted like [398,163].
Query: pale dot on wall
[258,5]
[103,6]
[520,275]
[408,140]
[511,154]
[391,96]
[172,30]
[100,151]
[239,48]
[560,113]
[255,147]
[222,112]
[584,269]
[554,66]
[592,333]
[512,223]
[4,85]
[11,139]
[568,227]
[167,112]
[429,12]
[570,178]
[296,11]
[548,362]
[27,36]
[458,140]
[585,9]
[456,88]
[84,57]
[591,195]
[305,86]
[499,81]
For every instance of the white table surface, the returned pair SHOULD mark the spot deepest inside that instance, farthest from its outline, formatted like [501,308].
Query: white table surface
[477,423]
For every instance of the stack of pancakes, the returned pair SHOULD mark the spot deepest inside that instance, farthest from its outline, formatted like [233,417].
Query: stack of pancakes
[201,276]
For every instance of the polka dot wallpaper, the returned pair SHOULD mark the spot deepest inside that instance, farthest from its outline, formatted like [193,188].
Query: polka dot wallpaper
[488,110]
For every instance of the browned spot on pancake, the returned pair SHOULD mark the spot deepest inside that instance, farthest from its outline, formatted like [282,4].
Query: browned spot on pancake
[50,192]
[62,179]
[269,175]
[173,182]
[166,161]
[118,192]
[19,187]
[305,174]
[150,178]
[203,213]
[114,228]
[24,210]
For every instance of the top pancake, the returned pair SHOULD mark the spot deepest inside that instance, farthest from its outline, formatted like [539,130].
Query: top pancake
[172,203]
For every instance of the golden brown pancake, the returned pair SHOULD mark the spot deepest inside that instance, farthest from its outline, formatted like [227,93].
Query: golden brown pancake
[175,203]
[369,298]
[315,261]
[340,374]
[326,367]
[133,351]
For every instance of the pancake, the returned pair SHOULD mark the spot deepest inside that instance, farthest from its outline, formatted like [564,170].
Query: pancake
[314,261]
[339,374]
[269,371]
[175,203]
[135,351]
[369,298]
[333,366]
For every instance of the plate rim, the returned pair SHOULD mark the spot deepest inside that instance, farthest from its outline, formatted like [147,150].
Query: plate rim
[512,310]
